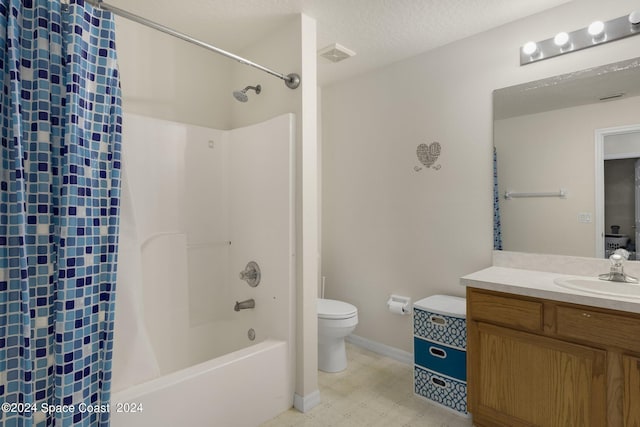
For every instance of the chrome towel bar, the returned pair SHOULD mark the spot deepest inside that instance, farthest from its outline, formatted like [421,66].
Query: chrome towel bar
[509,194]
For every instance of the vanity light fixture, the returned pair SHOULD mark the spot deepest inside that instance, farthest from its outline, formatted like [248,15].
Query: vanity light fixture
[596,28]
[561,39]
[598,32]
[530,48]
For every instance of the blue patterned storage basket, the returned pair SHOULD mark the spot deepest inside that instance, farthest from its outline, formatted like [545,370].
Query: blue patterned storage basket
[445,391]
[440,343]
[441,318]
[440,358]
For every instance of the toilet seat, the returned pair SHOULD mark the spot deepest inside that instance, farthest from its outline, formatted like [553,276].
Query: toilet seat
[332,309]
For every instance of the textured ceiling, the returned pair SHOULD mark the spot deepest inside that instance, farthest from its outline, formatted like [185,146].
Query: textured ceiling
[379,31]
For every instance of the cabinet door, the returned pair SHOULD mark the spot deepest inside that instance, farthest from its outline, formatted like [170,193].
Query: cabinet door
[631,399]
[522,379]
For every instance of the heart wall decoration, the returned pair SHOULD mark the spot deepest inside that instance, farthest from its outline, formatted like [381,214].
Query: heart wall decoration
[428,155]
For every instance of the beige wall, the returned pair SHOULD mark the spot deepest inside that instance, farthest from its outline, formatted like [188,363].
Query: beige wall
[545,152]
[389,229]
[167,78]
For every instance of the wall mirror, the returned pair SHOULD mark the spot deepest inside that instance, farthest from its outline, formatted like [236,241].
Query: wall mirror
[566,151]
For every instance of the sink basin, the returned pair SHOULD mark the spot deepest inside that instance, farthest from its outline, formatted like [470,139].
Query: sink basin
[601,287]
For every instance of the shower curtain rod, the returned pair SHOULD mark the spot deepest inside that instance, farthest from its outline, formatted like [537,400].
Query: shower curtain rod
[291,80]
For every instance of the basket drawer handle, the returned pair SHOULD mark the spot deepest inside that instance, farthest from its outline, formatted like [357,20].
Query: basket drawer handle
[438,320]
[439,382]
[438,352]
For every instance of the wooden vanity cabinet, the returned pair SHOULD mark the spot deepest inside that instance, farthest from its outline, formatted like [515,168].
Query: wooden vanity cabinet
[534,362]
[631,394]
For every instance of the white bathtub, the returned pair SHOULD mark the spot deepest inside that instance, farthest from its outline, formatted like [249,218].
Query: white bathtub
[244,388]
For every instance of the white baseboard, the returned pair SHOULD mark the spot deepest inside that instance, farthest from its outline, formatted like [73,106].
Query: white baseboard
[383,349]
[306,403]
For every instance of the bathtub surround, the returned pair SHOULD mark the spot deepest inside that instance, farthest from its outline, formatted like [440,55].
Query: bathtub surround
[167,78]
[384,231]
[59,192]
[204,202]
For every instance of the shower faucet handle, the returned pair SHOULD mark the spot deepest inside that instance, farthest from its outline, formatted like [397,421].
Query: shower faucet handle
[251,274]
[248,274]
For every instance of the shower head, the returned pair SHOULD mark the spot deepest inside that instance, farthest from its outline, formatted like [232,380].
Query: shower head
[241,95]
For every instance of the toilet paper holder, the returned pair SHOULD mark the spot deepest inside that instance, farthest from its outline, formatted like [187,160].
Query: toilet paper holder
[399,304]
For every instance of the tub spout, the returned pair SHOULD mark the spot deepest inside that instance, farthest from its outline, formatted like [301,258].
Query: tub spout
[243,305]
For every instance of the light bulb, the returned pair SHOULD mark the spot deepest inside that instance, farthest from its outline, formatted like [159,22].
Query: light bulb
[529,48]
[596,28]
[634,17]
[561,39]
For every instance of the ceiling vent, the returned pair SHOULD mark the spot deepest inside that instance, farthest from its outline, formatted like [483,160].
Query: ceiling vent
[336,52]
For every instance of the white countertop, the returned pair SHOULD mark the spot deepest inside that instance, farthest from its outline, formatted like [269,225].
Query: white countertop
[541,285]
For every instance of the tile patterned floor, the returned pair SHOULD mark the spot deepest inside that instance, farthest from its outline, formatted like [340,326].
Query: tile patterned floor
[373,391]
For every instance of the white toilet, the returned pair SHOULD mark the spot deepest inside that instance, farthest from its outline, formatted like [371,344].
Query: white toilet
[336,320]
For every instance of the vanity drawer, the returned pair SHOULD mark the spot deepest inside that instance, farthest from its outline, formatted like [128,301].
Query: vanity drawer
[599,328]
[506,310]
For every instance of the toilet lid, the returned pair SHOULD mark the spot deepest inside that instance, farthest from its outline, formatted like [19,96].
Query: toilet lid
[332,309]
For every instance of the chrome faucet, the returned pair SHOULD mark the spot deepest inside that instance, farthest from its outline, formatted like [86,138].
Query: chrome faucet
[243,305]
[617,274]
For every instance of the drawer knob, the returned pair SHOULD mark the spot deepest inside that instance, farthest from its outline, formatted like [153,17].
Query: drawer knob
[586,315]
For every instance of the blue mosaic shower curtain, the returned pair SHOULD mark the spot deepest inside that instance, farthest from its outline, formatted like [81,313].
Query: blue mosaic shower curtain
[59,187]
[497,229]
